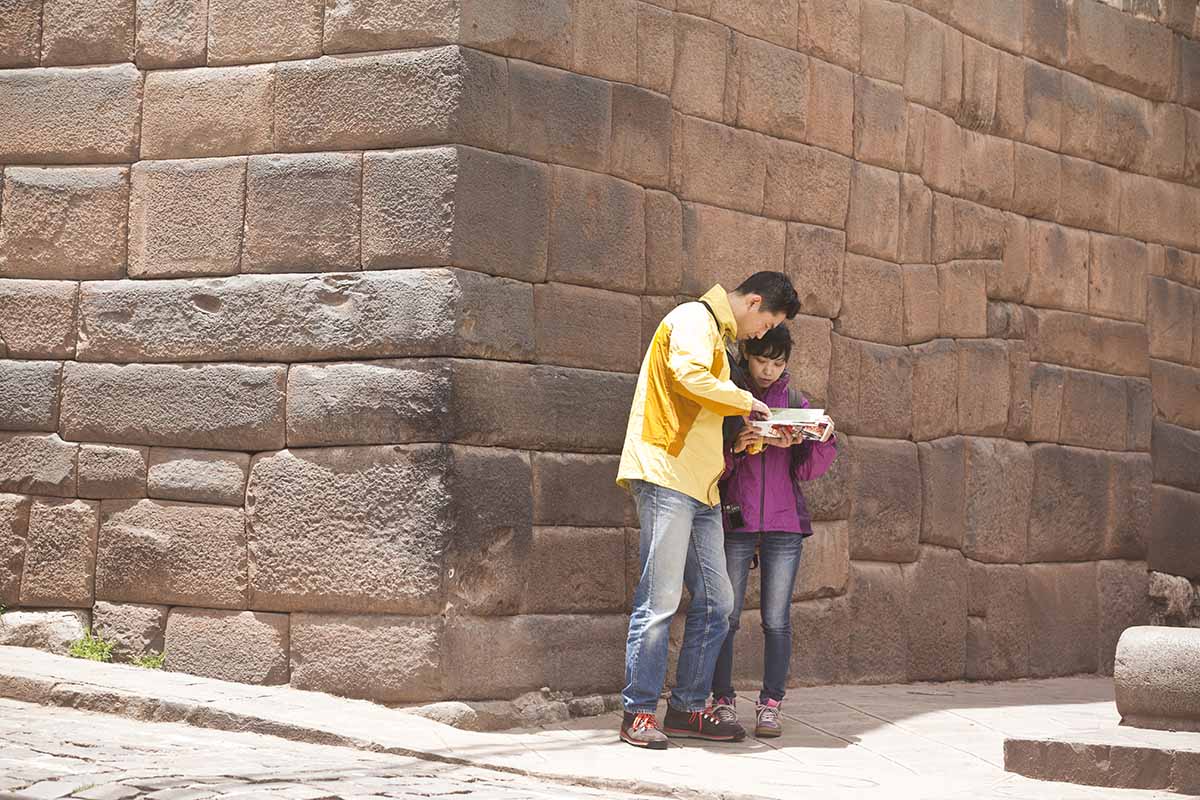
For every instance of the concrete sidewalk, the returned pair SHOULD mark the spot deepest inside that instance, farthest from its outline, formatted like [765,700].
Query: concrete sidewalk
[935,741]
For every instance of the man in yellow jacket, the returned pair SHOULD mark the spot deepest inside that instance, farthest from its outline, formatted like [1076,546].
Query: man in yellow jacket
[671,462]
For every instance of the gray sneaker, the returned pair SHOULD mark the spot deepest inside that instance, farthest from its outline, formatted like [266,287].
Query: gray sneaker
[725,710]
[767,724]
[641,730]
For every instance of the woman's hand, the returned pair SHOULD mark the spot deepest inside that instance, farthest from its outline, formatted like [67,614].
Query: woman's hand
[746,437]
[786,437]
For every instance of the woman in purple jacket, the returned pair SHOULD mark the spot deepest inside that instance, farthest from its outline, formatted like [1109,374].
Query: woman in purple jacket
[765,512]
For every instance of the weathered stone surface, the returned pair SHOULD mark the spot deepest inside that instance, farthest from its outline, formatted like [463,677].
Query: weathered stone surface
[219,406]
[1068,516]
[241,646]
[1154,210]
[811,357]
[1176,456]
[79,32]
[981,74]
[1141,413]
[1153,687]
[814,261]
[962,292]
[827,496]
[880,123]
[110,471]
[532,31]
[300,317]
[21,34]
[60,554]
[988,170]
[400,99]
[719,164]
[998,642]
[1121,589]
[998,489]
[885,510]
[656,48]
[29,393]
[303,213]
[1077,340]
[383,658]
[774,20]
[821,641]
[1172,311]
[1037,182]
[825,566]
[1129,521]
[942,162]
[70,115]
[1095,406]
[878,653]
[37,464]
[983,387]
[1046,398]
[640,149]
[605,40]
[455,206]
[830,121]
[578,490]
[885,389]
[559,117]
[935,607]
[135,630]
[171,33]
[1117,278]
[1174,540]
[718,243]
[64,222]
[207,112]
[883,40]
[916,218]
[701,57]
[1011,279]
[664,243]
[1058,267]
[921,302]
[14,529]
[581,653]
[1020,384]
[943,491]
[186,217]
[589,328]
[772,90]
[1043,105]
[338,506]
[1176,393]
[935,389]
[1005,321]
[807,184]
[1089,196]
[597,231]
[242,31]
[171,553]
[45,630]
[1120,50]
[872,301]
[198,476]
[873,222]
[1063,619]
[37,318]
[580,571]
[1045,30]
[360,26]
[1177,265]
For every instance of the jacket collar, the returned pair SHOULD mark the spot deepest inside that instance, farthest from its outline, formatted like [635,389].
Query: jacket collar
[718,301]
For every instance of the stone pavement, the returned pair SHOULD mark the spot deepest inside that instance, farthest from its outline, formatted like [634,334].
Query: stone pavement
[931,741]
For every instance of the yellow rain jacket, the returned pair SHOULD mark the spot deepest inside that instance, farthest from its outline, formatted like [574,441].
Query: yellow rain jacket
[683,395]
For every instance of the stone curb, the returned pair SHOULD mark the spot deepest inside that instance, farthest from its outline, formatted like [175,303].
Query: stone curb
[1162,765]
[148,708]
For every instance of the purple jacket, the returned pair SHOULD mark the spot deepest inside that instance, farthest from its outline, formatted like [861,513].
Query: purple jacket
[765,485]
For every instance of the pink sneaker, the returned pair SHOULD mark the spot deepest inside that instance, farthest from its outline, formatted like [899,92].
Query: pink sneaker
[767,724]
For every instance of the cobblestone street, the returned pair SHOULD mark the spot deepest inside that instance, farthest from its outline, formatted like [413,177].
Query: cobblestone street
[48,753]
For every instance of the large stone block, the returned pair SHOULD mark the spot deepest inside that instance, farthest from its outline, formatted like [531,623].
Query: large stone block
[1117,277]
[872,300]
[1141,413]
[54,631]
[870,388]
[885,510]
[701,58]
[1168,142]
[1011,280]
[1037,182]
[640,149]
[219,406]
[135,630]
[60,554]
[921,303]
[815,257]
[400,99]
[718,243]
[998,642]
[1045,30]
[387,659]
[664,243]
[1069,512]
[308,317]
[1058,267]
[821,641]
[1010,98]
[1176,393]
[597,231]
[171,553]
[505,656]
[656,48]
[605,40]
[1172,311]
[37,318]
[962,293]
[109,471]
[878,653]
[559,117]
[171,33]
[825,566]
[810,361]
[881,123]
[1095,410]
[186,217]
[719,164]
[1176,456]
[873,221]
[590,328]
[1127,532]
[916,220]
[998,491]
[983,387]
[64,222]
[81,32]
[303,213]
[807,184]
[1043,105]
[21,34]
[988,170]
[1090,195]
[830,121]
[1046,383]
[935,614]
[772,89]
[774,20]
[29,392]
[369,25]
[1154,210]
[243,31]
[1063,619]
[831,31]
[14,529]
[241,646]
[461,536]
[198,476]
[1020,384]
[883,40]
[37,464]
[1120,50]
[827,496]
[1177,265]
[195,113]
[981,75]
[534,31]
[1174,534]
[60,115]
[943,491]
[575,571]
[935,389]
[456,206]
[941,165]
[1077,340]
[1122,589]
[578,490]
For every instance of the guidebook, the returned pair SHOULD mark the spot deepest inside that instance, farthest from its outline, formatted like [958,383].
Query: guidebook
[812,423]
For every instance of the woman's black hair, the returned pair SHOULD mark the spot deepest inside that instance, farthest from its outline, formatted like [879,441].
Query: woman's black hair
[775,343]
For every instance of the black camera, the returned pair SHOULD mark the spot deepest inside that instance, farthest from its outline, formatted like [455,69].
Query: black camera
[734,515]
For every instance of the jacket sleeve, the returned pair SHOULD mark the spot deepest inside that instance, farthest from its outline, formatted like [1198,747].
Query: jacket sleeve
[819,457]
[690,360]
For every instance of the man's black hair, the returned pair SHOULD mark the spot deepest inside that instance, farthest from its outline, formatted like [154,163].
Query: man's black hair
[775,343]
[776,290]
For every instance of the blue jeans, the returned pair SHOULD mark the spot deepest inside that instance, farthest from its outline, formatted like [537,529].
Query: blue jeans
[779,560]
[681,543]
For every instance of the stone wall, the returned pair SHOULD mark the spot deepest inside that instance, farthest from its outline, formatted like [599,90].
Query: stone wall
[320,322]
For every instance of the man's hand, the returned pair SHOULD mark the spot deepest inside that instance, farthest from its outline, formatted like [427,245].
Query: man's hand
[761,409]
[786,438]
[746,437]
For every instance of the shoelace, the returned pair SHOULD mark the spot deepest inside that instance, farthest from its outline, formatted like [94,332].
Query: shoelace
[700,716]
[725,712]
[643,722]
[768,714]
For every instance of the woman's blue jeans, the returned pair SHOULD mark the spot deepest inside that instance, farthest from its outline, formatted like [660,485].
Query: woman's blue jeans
[681,543]
[779,560]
